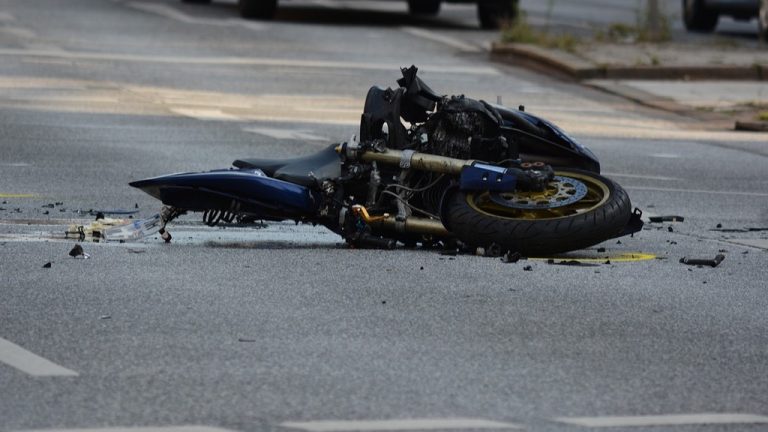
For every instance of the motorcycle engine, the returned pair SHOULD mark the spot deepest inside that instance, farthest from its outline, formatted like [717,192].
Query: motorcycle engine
[465,128]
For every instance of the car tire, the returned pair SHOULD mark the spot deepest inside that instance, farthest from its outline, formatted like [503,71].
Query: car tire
[697,18]
[424,7]
[762,21]
[257,9]
[493,13]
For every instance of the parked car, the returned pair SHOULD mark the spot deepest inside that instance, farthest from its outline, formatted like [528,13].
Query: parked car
[702,15]
[491,13]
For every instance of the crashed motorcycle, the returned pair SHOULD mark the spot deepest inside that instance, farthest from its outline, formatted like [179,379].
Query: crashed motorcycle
[426,169]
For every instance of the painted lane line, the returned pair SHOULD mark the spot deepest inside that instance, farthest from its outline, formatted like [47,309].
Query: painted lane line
[244,61]
[664,420]
[441,39]
[285,134]
[640,176]
[137,429]
[698,191]
[30,363]
[397,425]
[205,114]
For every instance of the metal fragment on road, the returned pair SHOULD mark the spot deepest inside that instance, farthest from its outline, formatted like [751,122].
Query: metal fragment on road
[703,262]
[397,425]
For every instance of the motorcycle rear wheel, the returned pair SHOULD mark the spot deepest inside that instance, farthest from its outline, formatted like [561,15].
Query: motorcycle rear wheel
[479,220]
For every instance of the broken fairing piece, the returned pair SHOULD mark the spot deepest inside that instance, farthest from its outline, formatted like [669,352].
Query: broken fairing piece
[703,262]
[108,229]
[657,219]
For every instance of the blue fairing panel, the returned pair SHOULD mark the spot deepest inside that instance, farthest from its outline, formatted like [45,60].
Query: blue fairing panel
[249,190]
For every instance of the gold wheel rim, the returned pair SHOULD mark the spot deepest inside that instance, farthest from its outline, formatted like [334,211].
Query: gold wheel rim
[597,194]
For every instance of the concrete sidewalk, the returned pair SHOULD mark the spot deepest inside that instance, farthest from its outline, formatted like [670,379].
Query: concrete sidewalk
[722,82]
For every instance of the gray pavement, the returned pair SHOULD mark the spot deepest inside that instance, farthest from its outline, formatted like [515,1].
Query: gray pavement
[282,327]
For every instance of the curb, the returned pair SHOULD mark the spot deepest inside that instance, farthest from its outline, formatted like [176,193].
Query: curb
[566,64]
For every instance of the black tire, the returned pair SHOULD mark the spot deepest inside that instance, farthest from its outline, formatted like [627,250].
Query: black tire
[697,18]
[493,13]
[607,214]
[424,7]
[257,9]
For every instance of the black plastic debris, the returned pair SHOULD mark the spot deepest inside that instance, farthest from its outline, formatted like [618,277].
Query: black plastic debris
[669,228]
[573,263]
[511,257]
[528,268]
[99,215]
[78,252]
[105,317]
[671,218]
[246,340]
[48,206]
[719,225]
[47,265]
[703,262]
[601,250]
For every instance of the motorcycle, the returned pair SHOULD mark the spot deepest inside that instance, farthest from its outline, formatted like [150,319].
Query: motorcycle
[426,169]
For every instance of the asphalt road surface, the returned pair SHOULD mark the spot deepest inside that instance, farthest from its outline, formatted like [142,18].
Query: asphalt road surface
[283,328]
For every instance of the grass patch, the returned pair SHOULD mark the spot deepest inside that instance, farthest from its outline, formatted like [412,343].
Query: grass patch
[520,31]
[762,116]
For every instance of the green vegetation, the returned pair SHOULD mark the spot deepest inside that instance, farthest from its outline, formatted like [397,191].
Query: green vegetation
[520,31]
[762,116]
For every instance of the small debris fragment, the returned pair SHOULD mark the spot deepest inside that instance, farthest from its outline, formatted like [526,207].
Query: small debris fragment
[77,252]
[719,225]
[528,268]
[703,262]
[246,340]
[105,317]
[574,263]
[99,215]
[421,268]
[48,206]
[138,251]
[669,228]
[618,242]
[46,212]
[383,302]
[511,257]
[449,252]
[58,203]
[601,250]
[47,265]
[657,219]
[608,262]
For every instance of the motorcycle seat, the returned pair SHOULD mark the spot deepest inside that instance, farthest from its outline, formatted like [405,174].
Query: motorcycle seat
[302,170]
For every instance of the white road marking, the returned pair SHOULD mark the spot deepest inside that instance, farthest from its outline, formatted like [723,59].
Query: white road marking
[664,420]
[443,39]
[137,429]
[755,243]
[395,425]
[177,15]
[205,114]
[285,134]
[30,363]
[697,191]
[640,176]
[244,61]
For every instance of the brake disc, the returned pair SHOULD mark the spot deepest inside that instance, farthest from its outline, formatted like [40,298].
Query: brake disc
[560,192]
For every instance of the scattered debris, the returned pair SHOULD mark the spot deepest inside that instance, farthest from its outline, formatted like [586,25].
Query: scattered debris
[108,229]
[99,215]
[138,251]
[601,250]
[719,225]
[669,228]
[703,262]
[511,257]
[527,268]
[246,340]
[121,212]
[48,206]
[656,219]
[383,302]
[76,251]
[421,268]
[575,263]
[105,317]
[607,262]
[46,212]
[47,265]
